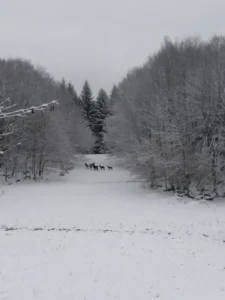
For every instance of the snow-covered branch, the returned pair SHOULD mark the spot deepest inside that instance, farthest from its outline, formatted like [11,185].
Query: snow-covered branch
[23,112]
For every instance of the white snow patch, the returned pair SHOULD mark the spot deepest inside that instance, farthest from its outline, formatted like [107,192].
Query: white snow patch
[117,240]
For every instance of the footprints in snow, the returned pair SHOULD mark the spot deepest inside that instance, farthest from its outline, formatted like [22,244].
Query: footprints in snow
[146,231]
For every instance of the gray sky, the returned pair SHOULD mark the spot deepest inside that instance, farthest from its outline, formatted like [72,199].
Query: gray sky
[100,39]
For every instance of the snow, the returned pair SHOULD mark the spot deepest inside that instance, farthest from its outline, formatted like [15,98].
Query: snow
[101,235]
[23,111]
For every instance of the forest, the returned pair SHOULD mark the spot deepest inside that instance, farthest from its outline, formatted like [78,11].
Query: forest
[41,123]
[168,118]
[165,119]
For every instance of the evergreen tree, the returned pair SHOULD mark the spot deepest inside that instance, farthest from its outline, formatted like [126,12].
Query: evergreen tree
[63,84]
[71,90]
[114,94]
[101,112]
[113,97]
[87,105]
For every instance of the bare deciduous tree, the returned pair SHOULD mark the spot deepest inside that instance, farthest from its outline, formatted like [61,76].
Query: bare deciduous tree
[36,132]
[168,116]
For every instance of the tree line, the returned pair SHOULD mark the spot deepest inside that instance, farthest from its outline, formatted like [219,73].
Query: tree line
[36,131]
[168,117]
[44,123]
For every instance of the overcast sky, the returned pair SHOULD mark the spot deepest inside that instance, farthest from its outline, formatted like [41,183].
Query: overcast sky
[100,39]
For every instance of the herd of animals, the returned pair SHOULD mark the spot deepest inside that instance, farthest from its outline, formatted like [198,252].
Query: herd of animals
[95,167]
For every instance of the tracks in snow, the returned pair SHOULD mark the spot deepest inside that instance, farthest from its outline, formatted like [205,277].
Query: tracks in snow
[76,229]
[147,231]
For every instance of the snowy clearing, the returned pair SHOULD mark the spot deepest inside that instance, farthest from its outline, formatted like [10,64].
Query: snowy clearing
[100,235]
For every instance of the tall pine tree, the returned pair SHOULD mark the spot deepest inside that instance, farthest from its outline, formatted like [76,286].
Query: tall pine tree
[101,112]
[87,105]
[71,90]
[113,95]
[112,99]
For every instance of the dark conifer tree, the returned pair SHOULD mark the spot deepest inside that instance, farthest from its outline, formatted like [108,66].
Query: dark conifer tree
[87,105]
[101,113]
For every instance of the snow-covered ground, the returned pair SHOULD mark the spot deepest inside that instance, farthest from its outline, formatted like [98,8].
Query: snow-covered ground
[100,235]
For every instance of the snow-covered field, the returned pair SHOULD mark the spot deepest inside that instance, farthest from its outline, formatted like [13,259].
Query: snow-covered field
[100,235]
